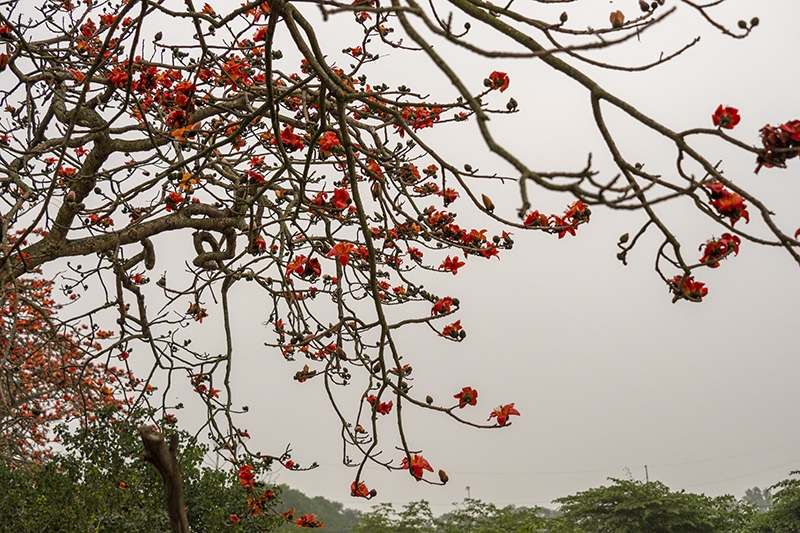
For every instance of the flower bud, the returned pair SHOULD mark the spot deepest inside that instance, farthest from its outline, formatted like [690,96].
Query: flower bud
[564,17]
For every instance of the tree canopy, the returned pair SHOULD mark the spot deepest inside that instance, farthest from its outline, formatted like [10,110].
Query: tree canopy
[158,156]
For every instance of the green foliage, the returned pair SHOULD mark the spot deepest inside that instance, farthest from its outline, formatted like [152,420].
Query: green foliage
[629,506]
[761,500]
[472,516]
[479,517]
[415,517]
[101,483]
[784,515]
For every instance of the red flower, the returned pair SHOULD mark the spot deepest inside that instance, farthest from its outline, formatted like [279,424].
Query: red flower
[172,201]
[341,199]
[289,464]
[564,226]
[502,414]
[415,254]
[117,77]
[234,519]
[454,330]
[359,490]
[372,399]
[578,211]
[246,477]
[328,142]
[442,306]
[688,288]
[498,80]
[717,249]
[726,117]
[467,396]
[341,252]
[728,204]
[308,521]
[417,465]
[449,195]
[385,408]
[291,141]
[535,219]
[452,264]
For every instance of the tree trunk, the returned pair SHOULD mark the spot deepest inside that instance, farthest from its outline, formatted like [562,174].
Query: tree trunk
[165,459]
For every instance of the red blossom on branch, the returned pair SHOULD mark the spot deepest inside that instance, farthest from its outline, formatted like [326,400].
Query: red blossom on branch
[726,117]
[687,288]
[502,413]
[451,264]
[717,249]
[417,465]
[467,396]
[498,81]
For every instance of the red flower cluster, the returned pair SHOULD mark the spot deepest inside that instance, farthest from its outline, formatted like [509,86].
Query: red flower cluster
[718,249]
[304,267]
[308,521]
[574,215]
[419,117]
[246,477]
[780,143]
[728,204]
[687,288]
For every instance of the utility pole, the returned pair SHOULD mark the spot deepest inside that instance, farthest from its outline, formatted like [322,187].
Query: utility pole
[468,495]
[646,475]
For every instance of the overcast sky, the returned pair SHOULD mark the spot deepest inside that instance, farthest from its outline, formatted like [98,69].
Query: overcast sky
[608,374]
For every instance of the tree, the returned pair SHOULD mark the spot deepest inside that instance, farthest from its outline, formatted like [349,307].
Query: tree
[99,482]
[46,374]
[249,146]
[761,499]
[784,514]
[632,506]
[480,517]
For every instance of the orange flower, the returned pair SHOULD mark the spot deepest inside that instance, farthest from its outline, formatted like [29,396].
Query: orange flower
[617,19]
[341,252]
[417,465]
[502,413]
[467,396]
[452,264]
[726,117]
[308,521]
[359,490]
[498,80]
[454,330]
